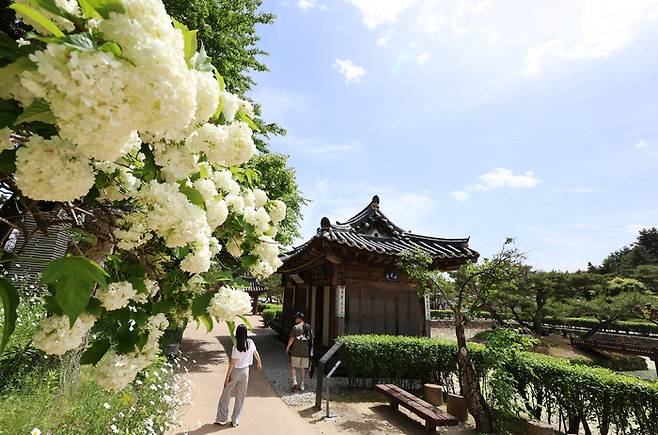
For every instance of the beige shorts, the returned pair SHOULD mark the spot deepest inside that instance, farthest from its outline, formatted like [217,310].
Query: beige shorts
[299,362]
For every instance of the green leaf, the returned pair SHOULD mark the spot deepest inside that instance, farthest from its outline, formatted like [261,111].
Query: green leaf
[10,300]
[220,79]
[94,307]
[248,120]
[8,47]
[246,322]
[111,47]
[207,321]
[150,170]
[87,9]
[193,195]
[162,307]
[203,61]
[38,17]
[73,279]
[79,41]
[39,110]
[8,161]
[9,72]
[94,353]
[190,41]
[8,113]
[105,7]
[231,330]
[200,304]
[247,261]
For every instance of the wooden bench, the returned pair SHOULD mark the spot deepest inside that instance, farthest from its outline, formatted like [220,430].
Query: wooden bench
[433,416]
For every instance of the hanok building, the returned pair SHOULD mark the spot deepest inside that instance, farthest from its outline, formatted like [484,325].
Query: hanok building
[346,278]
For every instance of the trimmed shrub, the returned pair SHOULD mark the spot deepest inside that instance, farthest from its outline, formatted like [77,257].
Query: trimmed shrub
[272,312]
[546,387]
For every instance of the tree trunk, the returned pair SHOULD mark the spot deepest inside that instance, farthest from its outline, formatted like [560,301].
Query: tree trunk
[538,320]
[470,383]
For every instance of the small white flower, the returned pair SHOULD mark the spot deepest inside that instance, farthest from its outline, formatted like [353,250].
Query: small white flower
[36,431]
[106,405]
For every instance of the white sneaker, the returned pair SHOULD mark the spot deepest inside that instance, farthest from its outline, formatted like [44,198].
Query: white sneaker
[302,387]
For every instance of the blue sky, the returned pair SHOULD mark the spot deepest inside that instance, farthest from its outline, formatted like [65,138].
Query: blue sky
[487,118]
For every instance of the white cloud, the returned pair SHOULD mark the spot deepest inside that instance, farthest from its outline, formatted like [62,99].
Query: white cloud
[353,146]
[603,27]
[459,195]
[422,58]
[374,13]
[496,179]
[305,4]
[635,228]
[312,147]
[641,144]
[501,177]
[384,39]
[352,73]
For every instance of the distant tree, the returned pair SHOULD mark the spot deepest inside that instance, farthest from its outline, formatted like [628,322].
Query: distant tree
[608,309]
[648,275]
[586,284]
[618,285]
[472,288]
[625,260]
[274,287]
[648,238]
[281,182]
[526,299]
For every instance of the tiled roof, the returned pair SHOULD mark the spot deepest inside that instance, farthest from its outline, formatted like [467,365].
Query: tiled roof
[371,231]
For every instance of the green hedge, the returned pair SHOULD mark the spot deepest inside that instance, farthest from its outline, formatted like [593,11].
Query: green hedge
[272,312]
[557,387]
[637,326]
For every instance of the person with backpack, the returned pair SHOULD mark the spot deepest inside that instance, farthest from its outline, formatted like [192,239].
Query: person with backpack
[300,347]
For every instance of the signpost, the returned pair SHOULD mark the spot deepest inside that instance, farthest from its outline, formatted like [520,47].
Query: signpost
[329,415]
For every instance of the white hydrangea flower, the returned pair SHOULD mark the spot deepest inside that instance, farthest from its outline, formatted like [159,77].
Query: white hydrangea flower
[257,217]
[260,198]
[152,288]
[5,139]
[52,170]
[123,184]
[235,203]
[249,198]
[267,251]
[114,371]
[215,247]
[228,303]
[207,95]
[227,145]
[116,295]
[277,211]
[217,212]
[206,188]
[197,261]
[101,123]
[55,335]
[231,104]
[224,180]
[177,161]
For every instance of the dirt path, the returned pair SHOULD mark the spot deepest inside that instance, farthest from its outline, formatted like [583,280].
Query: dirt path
[207,361]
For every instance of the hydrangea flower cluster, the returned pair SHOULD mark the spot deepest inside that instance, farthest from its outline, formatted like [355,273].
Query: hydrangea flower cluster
[138,134]
[115,371]
[56,336]
[228,303]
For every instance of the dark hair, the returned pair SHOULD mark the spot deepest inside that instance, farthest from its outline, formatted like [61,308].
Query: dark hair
[299,316]
[241,338]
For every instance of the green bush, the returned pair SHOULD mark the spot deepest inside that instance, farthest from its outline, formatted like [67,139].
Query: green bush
[272,312]
[637,326]
[34,393]
[546,386]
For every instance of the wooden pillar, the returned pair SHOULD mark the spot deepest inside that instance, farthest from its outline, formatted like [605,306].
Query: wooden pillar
[254,303]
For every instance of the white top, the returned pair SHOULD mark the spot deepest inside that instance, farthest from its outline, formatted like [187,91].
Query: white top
[244,359]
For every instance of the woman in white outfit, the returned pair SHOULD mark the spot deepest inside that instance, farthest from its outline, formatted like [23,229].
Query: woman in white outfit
[237,377]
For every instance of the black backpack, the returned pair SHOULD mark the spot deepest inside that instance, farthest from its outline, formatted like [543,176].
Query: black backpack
[308,334]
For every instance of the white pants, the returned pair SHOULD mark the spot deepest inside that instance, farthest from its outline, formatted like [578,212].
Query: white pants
[237,386]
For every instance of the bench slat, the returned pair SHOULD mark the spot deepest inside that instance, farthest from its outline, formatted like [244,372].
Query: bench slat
[417,405]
